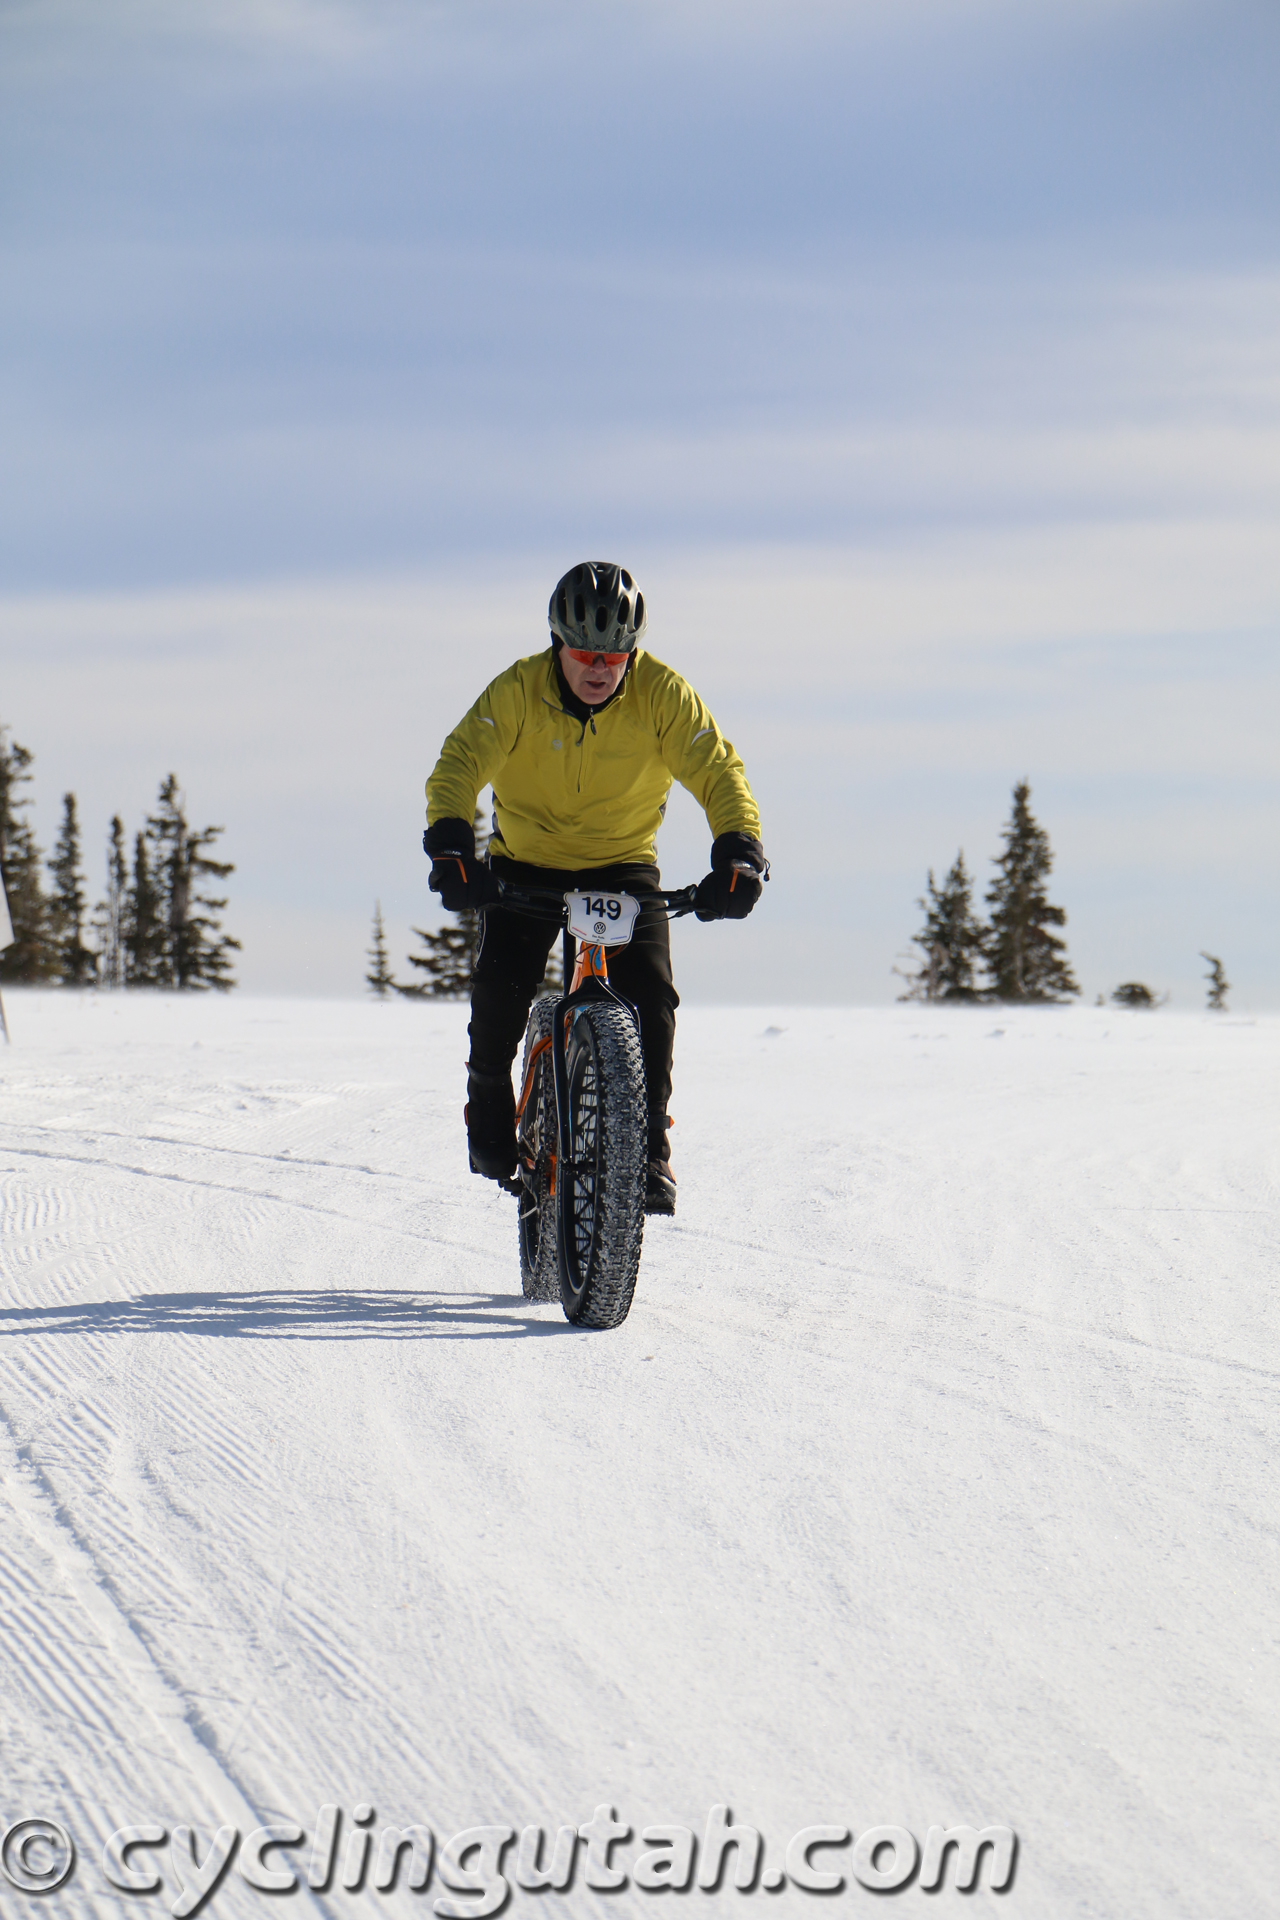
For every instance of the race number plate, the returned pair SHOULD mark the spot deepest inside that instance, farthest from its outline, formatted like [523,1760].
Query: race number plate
[602,919]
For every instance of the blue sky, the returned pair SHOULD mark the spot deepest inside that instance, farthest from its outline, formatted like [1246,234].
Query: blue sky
[922,359]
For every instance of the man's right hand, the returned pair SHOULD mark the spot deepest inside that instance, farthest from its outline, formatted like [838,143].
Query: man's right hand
[463,882]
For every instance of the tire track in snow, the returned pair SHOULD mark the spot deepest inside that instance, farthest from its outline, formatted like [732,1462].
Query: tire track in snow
[88,1242]
[363,1225]
[285,1159]
[159,1608]
[151,1690]
[972,1302]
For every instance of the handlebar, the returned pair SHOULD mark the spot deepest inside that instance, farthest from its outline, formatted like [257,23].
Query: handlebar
[548,903]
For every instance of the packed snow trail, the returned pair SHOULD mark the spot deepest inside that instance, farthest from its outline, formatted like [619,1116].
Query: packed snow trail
[931,1480]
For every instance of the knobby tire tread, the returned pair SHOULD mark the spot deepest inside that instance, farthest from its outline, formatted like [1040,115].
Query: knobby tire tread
[623,1122]
[539,1262]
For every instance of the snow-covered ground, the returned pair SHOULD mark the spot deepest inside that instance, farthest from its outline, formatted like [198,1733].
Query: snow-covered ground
[931,1481]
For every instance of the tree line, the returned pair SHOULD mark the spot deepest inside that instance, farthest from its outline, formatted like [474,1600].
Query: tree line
[157,923]
[1015,954]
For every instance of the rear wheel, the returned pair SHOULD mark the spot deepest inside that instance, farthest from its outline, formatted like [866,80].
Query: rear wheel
[600,1197]
[536,1145]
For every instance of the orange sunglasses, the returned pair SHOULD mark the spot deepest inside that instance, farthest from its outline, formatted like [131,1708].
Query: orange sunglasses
[589,659]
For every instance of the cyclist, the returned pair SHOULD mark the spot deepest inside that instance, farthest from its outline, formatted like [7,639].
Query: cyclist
[581,744]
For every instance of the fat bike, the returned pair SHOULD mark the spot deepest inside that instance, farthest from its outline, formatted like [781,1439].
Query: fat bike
[581,1113]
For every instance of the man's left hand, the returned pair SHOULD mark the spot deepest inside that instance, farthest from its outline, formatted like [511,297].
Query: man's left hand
[738,872]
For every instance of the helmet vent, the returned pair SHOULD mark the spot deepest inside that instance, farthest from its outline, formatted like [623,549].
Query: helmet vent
[627,581]
[639,611]
[624,612]
[602,619]
[579,607]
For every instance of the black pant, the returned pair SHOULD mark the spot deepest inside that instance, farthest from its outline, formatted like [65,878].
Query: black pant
[513,958]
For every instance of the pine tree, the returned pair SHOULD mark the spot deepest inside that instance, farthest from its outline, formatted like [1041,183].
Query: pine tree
[31,956]
[1219,985]
[77,964]
[447,963]
[204,955]
[109,915]
[449,959]
[1024,960]
[952,940]
[1134,993]
[381,980]
[195,953]
[143,928]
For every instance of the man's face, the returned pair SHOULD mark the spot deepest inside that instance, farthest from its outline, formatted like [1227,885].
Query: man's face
[590,676]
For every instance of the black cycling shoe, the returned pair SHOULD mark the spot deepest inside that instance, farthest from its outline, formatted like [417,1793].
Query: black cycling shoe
[490,1114]
[497,1166]
[660,1182]
[660,1188]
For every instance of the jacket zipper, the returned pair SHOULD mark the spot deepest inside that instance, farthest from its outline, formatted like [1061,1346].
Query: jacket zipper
[590,721]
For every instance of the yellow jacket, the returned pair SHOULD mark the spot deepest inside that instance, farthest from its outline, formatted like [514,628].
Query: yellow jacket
[570,793]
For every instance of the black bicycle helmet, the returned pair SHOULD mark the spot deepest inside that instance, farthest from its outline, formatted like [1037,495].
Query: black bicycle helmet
[597,608]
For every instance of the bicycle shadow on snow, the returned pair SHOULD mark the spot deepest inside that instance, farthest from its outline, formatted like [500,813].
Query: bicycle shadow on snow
[297,1314]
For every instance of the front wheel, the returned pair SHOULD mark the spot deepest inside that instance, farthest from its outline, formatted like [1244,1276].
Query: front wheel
[600,1195]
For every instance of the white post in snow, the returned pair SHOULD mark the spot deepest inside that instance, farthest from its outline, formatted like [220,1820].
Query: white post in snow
[6,940]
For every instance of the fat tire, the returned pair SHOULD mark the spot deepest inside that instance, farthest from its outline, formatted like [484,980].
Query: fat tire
[537,1144]
[600,1207]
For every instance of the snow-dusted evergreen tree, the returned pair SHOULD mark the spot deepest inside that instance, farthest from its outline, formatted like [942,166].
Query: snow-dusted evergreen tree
[1219,985]
[143,928]
[195,952]
[1024,960]
[379,979]
[951,940]
[109,914]
[76,963]
[31,956]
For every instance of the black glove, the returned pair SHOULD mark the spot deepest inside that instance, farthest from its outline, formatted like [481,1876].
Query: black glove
[738,872]
[463,882]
